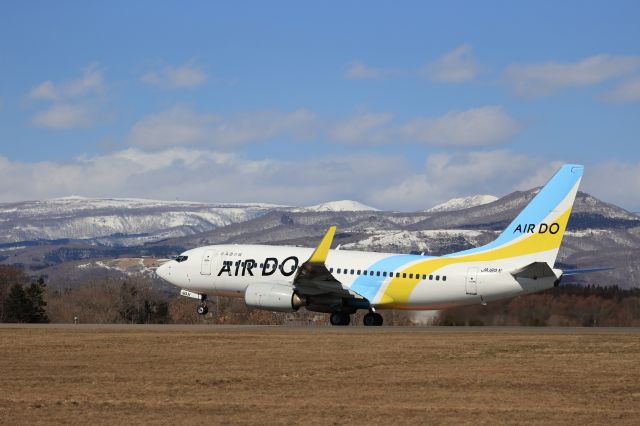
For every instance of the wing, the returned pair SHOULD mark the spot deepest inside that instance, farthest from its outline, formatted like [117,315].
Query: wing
[313,277]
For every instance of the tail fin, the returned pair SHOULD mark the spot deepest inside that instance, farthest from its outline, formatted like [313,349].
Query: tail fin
[536,233]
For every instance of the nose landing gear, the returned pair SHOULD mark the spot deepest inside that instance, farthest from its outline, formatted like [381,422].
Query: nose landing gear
[202,309]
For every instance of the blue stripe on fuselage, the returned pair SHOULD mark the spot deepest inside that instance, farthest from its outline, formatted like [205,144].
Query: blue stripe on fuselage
[368,286]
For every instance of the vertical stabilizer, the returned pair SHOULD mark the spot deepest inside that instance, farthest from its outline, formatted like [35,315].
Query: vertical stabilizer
[536,233]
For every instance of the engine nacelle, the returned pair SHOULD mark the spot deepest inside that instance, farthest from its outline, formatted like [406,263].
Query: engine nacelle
[272,297]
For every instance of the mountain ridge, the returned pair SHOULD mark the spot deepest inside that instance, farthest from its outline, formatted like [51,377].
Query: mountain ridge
[462,203]
[599,233]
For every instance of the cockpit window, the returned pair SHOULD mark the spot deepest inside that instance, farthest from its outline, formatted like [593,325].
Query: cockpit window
[181,258]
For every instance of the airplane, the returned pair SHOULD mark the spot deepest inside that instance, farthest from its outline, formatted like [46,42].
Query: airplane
[341,282]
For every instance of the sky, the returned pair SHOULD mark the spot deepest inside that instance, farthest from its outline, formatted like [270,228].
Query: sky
[399,105]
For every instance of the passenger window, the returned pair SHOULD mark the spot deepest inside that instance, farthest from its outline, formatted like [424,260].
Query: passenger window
[371,273]
[352,272]
[384,274]
[424,277]
[444,278]
[364,272]
[358,271]
[430,277]
[410,275]
[377,273]
[404,275]
[331,270]
[262,265]
[338,270]
[397,274]
[437,277]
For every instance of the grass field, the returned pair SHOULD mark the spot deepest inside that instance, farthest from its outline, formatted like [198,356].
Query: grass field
[198,375]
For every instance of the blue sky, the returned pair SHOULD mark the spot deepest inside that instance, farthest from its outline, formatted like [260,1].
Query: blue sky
[397,105]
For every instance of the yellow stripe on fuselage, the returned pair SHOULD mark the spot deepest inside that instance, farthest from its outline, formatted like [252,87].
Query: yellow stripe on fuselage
[399,289]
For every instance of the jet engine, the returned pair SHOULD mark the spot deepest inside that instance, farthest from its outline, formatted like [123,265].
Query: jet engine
[273,297]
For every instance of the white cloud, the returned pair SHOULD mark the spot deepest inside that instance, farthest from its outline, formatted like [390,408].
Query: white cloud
[72,103]
[361,128]
[358,70]
[615,182]
[535,80]
[200,175]
[489,125]
[91,82]
[181,125]
[627,91]
[64,116]
[456,66]
[186,76]
[175,127]
[446,176]
[384,181]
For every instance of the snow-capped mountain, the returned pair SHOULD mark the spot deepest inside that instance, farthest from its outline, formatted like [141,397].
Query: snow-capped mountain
[337,206]
[120,221]
[462,203]
[599,233]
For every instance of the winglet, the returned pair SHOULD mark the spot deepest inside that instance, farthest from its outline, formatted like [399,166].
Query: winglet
[322,251]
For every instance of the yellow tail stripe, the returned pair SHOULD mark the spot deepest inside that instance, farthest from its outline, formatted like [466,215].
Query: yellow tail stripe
[399,289]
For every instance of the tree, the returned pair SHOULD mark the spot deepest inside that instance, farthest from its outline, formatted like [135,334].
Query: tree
[9,276]
[35,296]
[27,305]
[17,307]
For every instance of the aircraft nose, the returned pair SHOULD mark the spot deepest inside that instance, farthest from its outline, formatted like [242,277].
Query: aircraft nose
[164,270]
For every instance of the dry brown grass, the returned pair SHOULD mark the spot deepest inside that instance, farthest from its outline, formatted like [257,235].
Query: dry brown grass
[278,375]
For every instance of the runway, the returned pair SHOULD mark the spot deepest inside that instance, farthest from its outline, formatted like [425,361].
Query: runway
[328,328]
[194,374]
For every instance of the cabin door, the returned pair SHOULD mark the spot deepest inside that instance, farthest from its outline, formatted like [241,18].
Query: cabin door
[472,281]
[207,260]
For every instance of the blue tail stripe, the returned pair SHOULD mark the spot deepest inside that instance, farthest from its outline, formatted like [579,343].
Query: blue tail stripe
[549,197]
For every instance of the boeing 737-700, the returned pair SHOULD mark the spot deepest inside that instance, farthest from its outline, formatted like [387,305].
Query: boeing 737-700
[340,282]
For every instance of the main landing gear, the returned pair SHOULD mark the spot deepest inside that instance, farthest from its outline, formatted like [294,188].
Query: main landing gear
[343,318]
[372,319]
[340,318]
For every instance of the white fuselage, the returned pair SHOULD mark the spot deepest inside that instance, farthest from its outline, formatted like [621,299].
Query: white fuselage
[227,270]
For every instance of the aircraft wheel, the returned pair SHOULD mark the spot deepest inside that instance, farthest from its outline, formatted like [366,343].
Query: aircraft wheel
[203,310]
[372,319]
[340,318]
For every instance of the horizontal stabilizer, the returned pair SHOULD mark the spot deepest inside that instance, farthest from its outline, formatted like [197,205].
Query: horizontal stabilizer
[584,271]
[534,270]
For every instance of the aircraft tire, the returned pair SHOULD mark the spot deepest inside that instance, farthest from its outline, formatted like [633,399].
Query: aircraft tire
[340,318]
[202,310]
[372,319]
